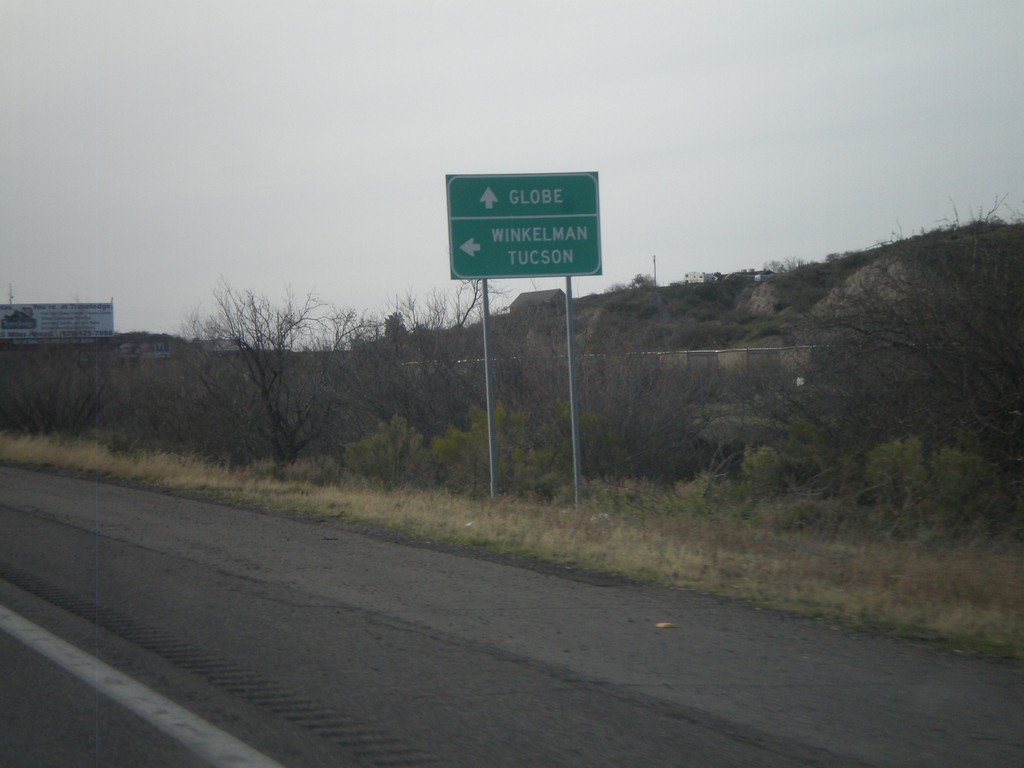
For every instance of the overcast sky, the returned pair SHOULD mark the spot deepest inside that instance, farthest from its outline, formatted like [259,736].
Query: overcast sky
[149,149]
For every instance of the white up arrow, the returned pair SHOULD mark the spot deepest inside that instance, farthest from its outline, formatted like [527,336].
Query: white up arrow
[489,198]
[470,247]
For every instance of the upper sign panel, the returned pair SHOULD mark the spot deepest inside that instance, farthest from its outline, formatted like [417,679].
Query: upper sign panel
[524,225]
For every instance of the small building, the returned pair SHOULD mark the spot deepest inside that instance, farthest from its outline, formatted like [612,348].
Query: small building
[698,277]
[532,301]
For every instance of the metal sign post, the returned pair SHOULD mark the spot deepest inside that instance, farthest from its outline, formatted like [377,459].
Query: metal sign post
[574,407]
[492,439]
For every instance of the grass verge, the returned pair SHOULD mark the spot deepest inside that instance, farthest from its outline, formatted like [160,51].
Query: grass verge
[967,596]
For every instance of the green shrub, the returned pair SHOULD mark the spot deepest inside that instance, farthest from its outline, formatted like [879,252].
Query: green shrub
[537,472]
[393,455]
[897,481]
[811,463]
[958,492]
[765,471]
[533,459]
[966,490]
[464,455]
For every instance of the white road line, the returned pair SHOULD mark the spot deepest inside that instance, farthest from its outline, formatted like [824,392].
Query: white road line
[209,742]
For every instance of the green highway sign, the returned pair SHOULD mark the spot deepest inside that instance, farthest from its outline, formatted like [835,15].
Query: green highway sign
[523,225]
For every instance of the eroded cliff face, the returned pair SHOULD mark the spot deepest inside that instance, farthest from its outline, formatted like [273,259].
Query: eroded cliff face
[762,300]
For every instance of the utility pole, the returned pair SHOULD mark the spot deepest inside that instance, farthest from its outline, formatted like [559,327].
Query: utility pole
[655,260]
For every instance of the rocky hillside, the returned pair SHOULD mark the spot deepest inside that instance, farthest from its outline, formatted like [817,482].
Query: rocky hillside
[736,311]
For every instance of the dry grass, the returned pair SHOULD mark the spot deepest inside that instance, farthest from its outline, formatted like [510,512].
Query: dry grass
[968,596]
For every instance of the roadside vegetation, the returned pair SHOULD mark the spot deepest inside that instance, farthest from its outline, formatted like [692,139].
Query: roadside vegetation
[844,440]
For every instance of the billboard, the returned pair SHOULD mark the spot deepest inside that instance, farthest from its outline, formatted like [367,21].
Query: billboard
[56,322]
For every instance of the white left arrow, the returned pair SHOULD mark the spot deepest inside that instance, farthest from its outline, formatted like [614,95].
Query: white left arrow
[471,246]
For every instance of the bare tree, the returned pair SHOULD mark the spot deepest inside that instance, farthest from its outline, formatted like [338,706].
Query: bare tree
[54,388]
[419,360]
[274,368]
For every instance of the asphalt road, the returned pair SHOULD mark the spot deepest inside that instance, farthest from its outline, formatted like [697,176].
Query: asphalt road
[316,644]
